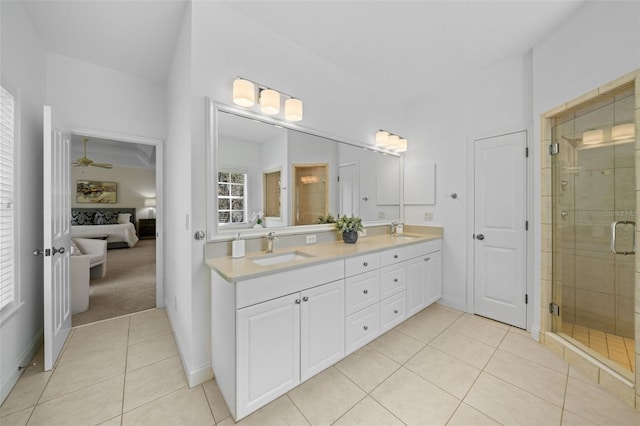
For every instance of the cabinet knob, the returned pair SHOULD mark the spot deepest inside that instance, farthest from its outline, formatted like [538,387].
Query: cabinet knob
[395,280]
[366,291]
[395,311]
[297,301]
[395,256]
[305,299]
[365,328]
[427,259]
[365,264]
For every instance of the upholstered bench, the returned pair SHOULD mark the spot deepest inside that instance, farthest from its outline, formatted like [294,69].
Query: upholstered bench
[96,250]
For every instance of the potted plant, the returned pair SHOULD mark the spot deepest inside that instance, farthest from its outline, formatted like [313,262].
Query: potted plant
[349,227]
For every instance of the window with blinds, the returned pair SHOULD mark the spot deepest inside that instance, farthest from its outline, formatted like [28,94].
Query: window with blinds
[7,223]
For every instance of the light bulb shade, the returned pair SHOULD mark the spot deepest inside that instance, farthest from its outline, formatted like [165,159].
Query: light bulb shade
[402,145]
[593,137]
[394,142]
[623,131]
[149,202]
[244,93]
[293,109]
[270,101]
[382,138]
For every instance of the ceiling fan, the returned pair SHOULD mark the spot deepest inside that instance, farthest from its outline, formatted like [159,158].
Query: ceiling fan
[84,161]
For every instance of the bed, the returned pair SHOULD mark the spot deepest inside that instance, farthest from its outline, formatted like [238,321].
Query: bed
[116,225]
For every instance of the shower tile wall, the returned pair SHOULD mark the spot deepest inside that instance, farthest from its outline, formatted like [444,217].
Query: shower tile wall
[595,186]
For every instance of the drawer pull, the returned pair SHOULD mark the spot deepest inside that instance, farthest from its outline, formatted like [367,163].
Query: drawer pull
[305,299]
[395,280]
[366,291]
[365,328]
[297,301]
[365,264]
[427,259]
[395,311]
[395,256]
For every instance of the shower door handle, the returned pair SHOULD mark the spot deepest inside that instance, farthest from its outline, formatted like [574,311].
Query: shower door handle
[614,227]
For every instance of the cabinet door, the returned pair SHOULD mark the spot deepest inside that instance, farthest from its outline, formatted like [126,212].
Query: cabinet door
[416,290]
[433,276]
[268,342]
[321,328]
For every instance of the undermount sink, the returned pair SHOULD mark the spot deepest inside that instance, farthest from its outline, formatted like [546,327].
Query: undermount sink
[403,237]
[277,258]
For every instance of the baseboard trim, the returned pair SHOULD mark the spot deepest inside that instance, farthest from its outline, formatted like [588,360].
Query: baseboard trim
[199,375]
[195,376]
[455,304]
[8,382]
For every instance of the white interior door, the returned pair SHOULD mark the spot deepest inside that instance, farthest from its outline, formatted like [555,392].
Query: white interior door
[57,239]
[500,233]
[349,183]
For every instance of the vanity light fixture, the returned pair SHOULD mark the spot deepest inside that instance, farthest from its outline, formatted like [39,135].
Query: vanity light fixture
[623,131]
[244,94]
[390,141]
[593,137]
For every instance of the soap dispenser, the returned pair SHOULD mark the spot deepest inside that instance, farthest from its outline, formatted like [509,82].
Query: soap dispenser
[237,247]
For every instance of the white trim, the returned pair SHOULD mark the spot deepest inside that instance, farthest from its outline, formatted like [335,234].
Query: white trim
[160,167]
[529,209]
[14,372]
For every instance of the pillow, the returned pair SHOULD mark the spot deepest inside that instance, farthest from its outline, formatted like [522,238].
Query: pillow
[124,218]
[105,218]
[75,251]
[82,217]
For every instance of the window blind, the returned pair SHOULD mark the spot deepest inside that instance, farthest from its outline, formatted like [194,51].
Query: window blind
[7,223]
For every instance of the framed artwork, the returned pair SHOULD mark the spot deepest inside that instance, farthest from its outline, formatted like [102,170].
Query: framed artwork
[88,191]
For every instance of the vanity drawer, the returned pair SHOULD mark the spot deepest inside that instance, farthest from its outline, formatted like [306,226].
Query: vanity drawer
[392,280]
[361,291]
[393,311]
[362,327]
[415,250]
[360,264]
[395,255]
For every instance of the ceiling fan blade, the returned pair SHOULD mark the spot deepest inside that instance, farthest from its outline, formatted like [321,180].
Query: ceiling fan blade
[103,165]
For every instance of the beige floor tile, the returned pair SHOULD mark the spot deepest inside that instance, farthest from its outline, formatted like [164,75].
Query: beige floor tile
[445,371]
[325,397]
[148,324]
[152,350]
[541,381]
[464,348]
[520,331]
[182,407]
[88,406]
[480,329]
[18,418]
[116,421]
[510,405]
[367,368]
[397,346]
[26,391]
[277,413]
[593,403]
[83,345]
[570,419]
[101,327]
[439,314]
[368,413]
[528,348]
[96,368]
[466,416]
[421,329]
[216,401]
[414,400]
[153,381]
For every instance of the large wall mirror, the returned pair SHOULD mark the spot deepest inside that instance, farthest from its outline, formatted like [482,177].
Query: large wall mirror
[267,175]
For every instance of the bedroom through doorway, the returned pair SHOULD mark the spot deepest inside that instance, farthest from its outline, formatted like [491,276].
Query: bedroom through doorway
[114,200]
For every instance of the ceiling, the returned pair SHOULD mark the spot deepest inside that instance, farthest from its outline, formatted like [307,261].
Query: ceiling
[120,154]
[401,47]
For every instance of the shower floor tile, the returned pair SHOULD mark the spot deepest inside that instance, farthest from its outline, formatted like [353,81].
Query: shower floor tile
[616,348]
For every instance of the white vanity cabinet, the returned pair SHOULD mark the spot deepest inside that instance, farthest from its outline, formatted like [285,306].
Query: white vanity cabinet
[424,277]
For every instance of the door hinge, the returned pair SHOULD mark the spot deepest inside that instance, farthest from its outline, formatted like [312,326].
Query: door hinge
[554,309]
[526,225]
[526,152]
[554,148]
[526,299]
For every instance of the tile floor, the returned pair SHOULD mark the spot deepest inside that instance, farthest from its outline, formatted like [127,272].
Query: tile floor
[439,367]
[620,350]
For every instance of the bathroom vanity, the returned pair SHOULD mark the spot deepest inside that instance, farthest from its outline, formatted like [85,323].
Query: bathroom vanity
[281,318]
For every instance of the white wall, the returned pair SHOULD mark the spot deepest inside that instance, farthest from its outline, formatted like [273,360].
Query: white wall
[134,185]
[596,45]
[439,126]
[23,68]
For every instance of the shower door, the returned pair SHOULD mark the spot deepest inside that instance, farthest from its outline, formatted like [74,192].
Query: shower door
[593,187]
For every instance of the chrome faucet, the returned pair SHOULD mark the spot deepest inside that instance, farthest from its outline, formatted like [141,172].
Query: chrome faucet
[394,228]
[271,238]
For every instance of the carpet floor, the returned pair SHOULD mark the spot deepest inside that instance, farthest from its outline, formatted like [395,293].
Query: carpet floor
[129,286]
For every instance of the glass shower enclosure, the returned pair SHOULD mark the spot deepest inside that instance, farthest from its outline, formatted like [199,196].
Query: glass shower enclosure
[594,221]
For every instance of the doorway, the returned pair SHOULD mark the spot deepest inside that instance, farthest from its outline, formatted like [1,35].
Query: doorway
[133,280]
[310,199]
[499,223]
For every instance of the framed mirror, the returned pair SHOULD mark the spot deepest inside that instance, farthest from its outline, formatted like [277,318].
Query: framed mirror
[268,174]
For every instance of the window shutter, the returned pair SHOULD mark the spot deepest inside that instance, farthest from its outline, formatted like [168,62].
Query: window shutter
[7,232]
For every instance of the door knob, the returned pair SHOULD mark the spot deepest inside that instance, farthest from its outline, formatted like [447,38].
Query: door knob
[480,237]
[55,250]
[38,252]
